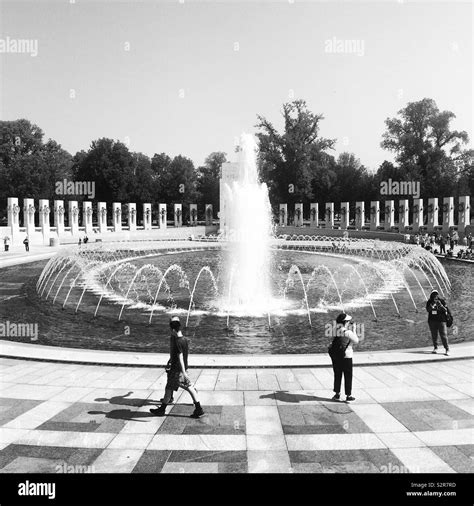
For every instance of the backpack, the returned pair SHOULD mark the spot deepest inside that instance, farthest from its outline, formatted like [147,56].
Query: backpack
[337,349]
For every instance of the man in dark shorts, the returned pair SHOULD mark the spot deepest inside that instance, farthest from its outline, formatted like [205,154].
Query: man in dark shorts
[178,376]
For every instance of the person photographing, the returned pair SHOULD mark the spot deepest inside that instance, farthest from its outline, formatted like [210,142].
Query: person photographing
[341,353]
[438,316]
[178,375]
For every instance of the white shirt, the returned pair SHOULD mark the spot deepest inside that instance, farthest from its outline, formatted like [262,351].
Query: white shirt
[353,340]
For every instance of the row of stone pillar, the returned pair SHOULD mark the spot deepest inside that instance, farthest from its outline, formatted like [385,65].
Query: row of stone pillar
[418,210]
[59,211]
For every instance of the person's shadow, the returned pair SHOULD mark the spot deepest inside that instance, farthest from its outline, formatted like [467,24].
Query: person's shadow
[123,414]
[285,396]
[125,400]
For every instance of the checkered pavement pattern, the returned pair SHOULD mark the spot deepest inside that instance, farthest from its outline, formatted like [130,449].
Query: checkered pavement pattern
[415,418]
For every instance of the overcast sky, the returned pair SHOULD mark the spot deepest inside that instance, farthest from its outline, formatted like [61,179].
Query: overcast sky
[189,77]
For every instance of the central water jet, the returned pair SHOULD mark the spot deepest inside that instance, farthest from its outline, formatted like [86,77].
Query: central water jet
[248,236]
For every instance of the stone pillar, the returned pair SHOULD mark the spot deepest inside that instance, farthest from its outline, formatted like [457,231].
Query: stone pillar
[432,214]
[314,214]
[345,215]
[147,217]
[298,215]
[418,214]
[87,216]
[448,213]
[209,214]
[44,212]
[117,216]
[464,213]
[162,217]
[73,214]
[403,217]
[360,215]
[29,215]
[193,214]
[283,215]
[102,216]
[389,214]
[329,215]
[374,215]
[59,216]
[132,217]
[13,216]
[178,215]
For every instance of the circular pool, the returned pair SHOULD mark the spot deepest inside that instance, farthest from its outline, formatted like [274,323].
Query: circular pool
[120,297]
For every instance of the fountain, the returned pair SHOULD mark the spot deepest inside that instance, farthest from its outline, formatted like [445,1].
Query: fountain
[244,290]
[248,237]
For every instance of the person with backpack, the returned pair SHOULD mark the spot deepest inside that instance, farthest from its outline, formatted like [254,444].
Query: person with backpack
[178,374]
[439,316]
[341,354]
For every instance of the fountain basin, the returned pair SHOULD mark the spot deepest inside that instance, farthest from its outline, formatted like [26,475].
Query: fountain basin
[216,329]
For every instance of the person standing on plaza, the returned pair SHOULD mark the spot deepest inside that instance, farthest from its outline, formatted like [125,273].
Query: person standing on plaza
[442,245]
[26,242]
[178,375]
[438,312]
[455,237]
[6,243]
[342,362]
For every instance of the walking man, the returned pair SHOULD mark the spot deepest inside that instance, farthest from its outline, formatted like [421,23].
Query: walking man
[26,242]
[178,376]
[437,320]
[342,363]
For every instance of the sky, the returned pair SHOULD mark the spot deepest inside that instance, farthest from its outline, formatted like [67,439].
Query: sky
[188,77]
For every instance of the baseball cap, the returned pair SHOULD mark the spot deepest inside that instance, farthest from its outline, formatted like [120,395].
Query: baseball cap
[343,317]
[175,319]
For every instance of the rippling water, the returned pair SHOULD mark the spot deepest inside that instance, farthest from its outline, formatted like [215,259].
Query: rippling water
[19,303]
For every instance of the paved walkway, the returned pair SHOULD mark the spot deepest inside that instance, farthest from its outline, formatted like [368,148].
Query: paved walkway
[85,418]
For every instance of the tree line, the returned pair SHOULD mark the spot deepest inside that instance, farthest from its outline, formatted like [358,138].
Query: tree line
[297,164]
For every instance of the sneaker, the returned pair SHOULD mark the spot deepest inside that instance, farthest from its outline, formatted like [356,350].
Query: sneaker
[350,398]
[435,350]
[447,353]
[171,400]
[336,397]
[161,411]
[197,413]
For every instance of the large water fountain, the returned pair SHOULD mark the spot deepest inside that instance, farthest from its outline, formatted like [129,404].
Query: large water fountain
[248,237]
[245,291]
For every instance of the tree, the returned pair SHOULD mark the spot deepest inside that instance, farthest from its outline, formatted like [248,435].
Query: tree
[426,147]
[19,137]
[291,161]
[110,165]
[176,179]
[30,168]
[352,182]
[208,179]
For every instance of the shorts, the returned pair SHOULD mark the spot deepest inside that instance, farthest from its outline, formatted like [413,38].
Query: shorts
[177,380]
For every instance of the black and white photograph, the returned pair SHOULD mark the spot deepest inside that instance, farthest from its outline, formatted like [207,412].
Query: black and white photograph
[236,252]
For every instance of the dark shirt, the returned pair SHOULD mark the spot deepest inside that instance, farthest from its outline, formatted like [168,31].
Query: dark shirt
[178,345]
[436,311]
